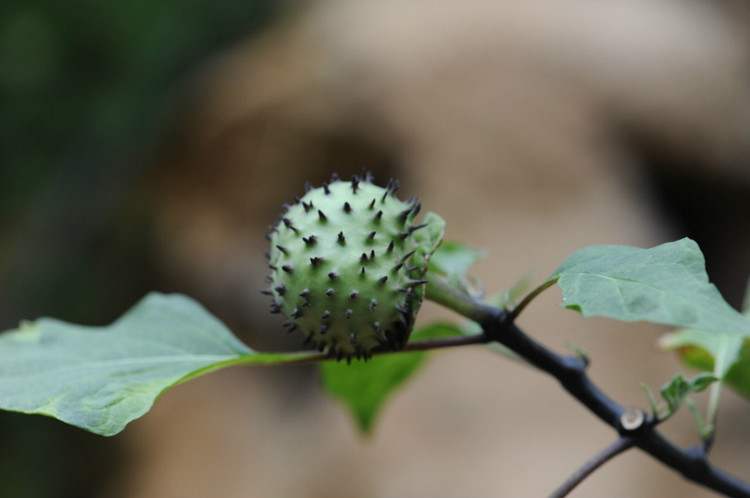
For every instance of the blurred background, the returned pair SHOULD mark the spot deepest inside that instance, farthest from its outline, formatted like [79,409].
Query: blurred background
[149,145]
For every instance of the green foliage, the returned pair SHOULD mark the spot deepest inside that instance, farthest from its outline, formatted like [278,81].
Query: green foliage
[364,387]
[676,391]
[666,284]
[726,355]
[101,378]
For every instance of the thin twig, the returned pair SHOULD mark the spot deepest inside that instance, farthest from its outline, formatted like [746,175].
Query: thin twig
[612,450]
[513,314]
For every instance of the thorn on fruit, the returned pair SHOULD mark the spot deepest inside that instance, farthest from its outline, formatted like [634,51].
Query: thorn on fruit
[304,293]
[321,216]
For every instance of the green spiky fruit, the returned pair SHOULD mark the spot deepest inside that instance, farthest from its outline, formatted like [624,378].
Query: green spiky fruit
[346,269]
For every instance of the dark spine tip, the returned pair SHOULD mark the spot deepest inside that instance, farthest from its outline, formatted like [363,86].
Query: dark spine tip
[307,205]
[295,199]
[267,255]
[408,255]
[372,255]
[363,258]
[416,282]
[414,228]
[398,266]
[287,268]
[296,313]
[304,293]
[306,303]
[347,207]
[362,271]
[355,183]
[273,267]
[403,235]
[353,338]
[282,249]
[330,292]
[275,307]
[266,292]
[281,289]
[390,247]
[315,261]
[378,216]
[382,280]
[333,275]
[326,315]
[348,314]
[326,189]
[335,178]
[371,236]
[341,239]
[404,214]
[373,303]
[376,328]
[372,204]
[310,241]
[323,329]
[308,339]
[322,216]
[354,294]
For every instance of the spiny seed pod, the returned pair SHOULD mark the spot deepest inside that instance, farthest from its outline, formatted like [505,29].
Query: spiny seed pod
[344,269]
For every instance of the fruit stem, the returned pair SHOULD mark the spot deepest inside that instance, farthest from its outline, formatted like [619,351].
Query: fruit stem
[440,292]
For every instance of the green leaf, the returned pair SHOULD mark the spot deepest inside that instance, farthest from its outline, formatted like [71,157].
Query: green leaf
[678,389]
[101,378]
[726,355]
[364,387]
[454,259]
[666,284]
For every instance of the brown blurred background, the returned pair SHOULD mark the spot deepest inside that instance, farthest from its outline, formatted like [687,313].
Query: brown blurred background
[149,145]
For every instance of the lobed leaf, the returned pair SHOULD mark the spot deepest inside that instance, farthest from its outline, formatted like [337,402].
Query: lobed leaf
[666,284]
[102,378]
